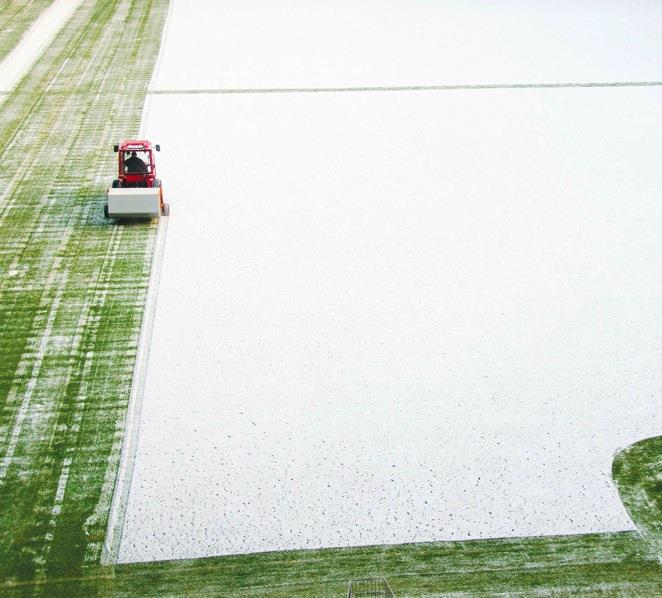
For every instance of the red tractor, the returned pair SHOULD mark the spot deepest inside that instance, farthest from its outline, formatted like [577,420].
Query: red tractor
[136,192]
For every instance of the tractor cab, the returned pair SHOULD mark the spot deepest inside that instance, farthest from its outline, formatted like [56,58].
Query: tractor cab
[136,193]
[136,164]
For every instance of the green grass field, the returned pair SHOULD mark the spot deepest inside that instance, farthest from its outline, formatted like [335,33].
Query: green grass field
[72,295]
[72,289]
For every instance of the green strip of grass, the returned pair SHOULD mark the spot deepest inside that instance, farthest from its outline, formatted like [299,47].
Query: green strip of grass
[604,564]
[72,289]
[16,16]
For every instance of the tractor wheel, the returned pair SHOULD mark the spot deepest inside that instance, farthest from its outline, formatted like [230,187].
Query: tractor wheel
[105,211]
[116,184]
[156,183]
[166,209]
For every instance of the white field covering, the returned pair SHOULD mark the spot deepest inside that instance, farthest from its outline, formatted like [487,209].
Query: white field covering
[393,317]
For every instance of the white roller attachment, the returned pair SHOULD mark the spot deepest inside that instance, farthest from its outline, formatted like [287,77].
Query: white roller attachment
[134,202]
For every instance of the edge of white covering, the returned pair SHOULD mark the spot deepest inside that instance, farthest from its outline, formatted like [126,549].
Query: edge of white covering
[113,539]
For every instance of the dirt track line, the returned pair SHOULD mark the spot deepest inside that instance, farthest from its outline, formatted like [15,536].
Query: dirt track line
[477,86]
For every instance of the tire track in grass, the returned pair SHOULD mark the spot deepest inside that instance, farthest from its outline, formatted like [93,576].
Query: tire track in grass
[63,119]
[26,397]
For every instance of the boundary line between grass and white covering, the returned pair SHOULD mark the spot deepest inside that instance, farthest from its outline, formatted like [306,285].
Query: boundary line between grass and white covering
[476,86]
[114,533]
[34,42]
[115,528]
[112,541]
